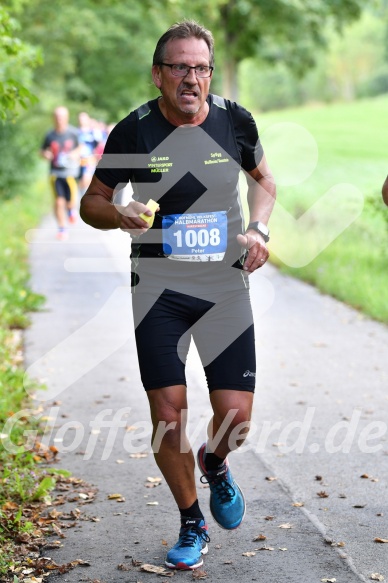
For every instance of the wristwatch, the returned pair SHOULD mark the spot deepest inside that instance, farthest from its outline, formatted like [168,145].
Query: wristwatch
[260,228]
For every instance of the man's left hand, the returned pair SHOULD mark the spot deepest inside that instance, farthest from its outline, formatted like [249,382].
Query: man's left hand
[257,250]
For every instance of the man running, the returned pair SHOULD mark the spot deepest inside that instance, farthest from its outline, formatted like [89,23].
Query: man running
[61,148]
[190,262]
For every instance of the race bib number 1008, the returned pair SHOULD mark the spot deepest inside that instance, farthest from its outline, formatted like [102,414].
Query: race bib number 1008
[195,236]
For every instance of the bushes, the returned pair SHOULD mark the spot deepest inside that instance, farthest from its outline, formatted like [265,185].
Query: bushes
[18,158]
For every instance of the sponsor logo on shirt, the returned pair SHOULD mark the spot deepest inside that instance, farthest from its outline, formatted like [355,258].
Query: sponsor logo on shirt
[215,158]
[160,164]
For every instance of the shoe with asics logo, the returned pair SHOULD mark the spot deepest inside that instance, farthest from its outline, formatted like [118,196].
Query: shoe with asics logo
[192,544]
[227,503]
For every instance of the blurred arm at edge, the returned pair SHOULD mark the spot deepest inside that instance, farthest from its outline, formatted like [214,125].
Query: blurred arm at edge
[384,191]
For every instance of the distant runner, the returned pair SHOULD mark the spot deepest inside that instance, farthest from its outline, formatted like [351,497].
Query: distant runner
[61,147]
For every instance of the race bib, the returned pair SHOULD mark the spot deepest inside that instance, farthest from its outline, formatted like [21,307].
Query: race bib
[195,236]
[62,160]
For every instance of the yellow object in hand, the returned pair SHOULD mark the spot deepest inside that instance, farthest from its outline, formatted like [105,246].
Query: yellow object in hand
[153,206]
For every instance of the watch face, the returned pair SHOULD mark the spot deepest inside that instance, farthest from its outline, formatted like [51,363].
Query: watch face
[262,228]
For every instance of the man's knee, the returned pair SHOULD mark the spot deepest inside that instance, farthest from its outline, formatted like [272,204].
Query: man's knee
[169,420]
[60,201]
[232,407]
[168,403]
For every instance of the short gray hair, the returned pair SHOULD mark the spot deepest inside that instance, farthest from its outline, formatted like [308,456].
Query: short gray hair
[184,29]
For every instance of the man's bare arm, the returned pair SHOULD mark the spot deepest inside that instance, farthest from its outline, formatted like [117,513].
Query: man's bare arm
[384,191]
[47,154]
[261,193]
[261,200]
[98,210]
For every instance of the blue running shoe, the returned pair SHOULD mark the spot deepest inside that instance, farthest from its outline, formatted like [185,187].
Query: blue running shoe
[192,544]
[227,503]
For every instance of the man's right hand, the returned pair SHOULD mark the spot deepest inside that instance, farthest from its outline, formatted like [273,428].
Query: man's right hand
[129,220]
[98,210]
[47,155]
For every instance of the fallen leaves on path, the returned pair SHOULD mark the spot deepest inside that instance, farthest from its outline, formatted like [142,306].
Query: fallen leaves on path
[153,569]
[197,574]
[47,521]
[116,497]
[45,453]
[322,494]
[124,567]
[259,537]
[368,477]
[153,482]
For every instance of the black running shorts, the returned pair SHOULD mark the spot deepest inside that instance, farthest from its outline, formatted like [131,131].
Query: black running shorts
[64,188]
[221,326]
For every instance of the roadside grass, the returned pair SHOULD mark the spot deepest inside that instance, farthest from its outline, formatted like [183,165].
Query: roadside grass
[352,148]
[16,298]
[22,480]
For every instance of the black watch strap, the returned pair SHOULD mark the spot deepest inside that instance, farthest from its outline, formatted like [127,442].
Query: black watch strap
[260,228]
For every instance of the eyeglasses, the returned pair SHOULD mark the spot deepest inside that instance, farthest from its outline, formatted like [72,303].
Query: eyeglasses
[183,70]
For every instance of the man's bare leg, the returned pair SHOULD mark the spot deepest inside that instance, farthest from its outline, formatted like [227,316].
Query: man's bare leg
[235,406]
[172,450]
[60,211]
[227,431]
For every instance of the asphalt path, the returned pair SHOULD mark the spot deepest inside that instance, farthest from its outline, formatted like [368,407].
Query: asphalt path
[314,469]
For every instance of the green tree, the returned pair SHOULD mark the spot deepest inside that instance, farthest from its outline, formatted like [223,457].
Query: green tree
[17,58]
[273,30]
[97,53]
[353,65]
[356,57]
